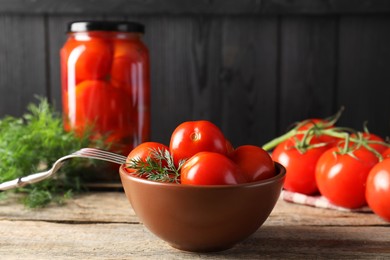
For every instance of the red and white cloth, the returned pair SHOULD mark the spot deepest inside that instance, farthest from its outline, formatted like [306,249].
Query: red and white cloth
[317,201]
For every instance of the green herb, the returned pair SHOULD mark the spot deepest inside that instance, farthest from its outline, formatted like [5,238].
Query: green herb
[158,166]
[32,144]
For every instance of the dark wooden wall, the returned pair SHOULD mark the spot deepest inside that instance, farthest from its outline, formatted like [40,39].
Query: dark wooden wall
[252,67]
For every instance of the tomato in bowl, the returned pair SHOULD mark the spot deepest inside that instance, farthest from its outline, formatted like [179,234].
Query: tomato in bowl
[202,218]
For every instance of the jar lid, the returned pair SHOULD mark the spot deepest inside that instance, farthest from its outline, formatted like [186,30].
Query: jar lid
[117,26]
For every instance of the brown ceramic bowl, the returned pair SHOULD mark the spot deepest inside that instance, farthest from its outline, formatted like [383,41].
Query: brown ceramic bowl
[202,218]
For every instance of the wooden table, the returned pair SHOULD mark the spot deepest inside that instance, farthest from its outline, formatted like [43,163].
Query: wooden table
[102,225]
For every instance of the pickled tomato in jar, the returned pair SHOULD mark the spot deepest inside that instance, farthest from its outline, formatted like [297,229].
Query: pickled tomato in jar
[105,83]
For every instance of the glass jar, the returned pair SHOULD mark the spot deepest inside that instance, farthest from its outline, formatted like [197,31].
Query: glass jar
[105,82]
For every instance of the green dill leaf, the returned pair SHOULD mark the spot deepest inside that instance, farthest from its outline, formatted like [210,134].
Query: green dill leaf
[32,143]
[37,198]
[159,166]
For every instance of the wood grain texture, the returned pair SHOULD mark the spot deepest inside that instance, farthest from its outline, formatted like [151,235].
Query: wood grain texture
[195,7]
[45,240]
[177,46]
[252,75]
[83,230]
[22,62]
[113,207]
[324,7]
[364,73]
[248,87]
[308,65]
[209,68]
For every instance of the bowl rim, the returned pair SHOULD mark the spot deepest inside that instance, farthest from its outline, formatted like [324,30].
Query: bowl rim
[281,174]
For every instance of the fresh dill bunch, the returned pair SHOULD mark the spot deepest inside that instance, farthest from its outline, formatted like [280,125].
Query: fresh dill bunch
[158,166]
[32,143]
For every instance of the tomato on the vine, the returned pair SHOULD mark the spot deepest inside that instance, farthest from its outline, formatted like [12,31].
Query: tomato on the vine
[254,162]
[210,168]
[378,189]
[373,137]
[192,137]
[143,152]
[300,165]
[386,153]
[299,154]
[341,178]
[318,125]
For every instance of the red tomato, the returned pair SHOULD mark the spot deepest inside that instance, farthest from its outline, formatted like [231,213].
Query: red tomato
[319,138]
[84,103]
[386,153]
[192,137]
[129,67]
[372,137]
[341,178]
[127,56]
[300,176]
[311,123]
[378,189]
[96,103]
[229,148]
[142,152]
[89,60]
[254,162]
[209,168]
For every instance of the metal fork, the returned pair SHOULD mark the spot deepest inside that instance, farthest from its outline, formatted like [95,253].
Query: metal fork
[90,153]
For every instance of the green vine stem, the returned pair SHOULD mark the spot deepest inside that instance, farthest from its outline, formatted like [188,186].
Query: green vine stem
[315,129]
[350,139]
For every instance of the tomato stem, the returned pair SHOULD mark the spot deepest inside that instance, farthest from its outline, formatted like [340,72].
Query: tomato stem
[349,139]
[274,142]
[315,130]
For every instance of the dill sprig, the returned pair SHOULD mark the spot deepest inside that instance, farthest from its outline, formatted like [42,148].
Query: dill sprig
[158,166]
[32,143]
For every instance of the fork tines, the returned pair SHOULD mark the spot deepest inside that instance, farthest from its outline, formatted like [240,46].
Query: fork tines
[102,155]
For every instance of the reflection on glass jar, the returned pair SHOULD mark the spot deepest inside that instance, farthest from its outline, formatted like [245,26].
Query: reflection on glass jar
[105,82]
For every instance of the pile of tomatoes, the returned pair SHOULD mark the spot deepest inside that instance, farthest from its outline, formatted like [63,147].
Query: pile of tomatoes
[99,70]
[351,169]
[203,156]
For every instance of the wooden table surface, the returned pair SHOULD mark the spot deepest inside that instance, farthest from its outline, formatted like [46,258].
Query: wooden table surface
[102,225]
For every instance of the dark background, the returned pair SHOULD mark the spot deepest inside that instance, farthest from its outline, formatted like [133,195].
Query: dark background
[251,67]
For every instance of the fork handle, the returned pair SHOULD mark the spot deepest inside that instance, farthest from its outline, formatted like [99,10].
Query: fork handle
[21,181]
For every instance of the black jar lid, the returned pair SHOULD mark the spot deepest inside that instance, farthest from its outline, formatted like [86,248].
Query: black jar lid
[117,26]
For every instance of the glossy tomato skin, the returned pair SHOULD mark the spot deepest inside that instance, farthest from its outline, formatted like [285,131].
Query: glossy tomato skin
[87,57]
[254,162]
[129,59]
[300,176]
[386,153]
[229,148]
[378,189]
[96,105]
[300,165]
[143,151]
[320,138]
[209,168]
[373,137]
[192,137]
[341,178]
[82,105]
[105,83]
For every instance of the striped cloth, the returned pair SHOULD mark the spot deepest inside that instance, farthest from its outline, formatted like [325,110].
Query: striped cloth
[316,201]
